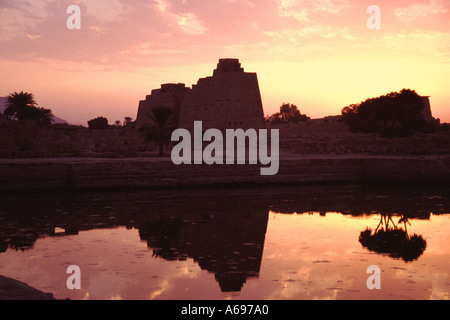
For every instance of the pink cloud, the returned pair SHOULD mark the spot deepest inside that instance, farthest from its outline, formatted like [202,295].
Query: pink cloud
[115,33]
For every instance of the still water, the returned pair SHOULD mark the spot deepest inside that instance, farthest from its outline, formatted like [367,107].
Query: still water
[262,243]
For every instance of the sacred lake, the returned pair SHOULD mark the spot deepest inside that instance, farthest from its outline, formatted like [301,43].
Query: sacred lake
[284,242]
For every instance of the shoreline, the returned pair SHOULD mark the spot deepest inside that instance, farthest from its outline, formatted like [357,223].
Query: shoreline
[45,174]
[11,289]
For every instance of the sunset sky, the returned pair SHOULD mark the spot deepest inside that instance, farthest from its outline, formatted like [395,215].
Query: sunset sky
[318,55]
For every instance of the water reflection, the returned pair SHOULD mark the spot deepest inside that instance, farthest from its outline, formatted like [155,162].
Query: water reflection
[391,238]
[222,231]
[228,244]
[223,235]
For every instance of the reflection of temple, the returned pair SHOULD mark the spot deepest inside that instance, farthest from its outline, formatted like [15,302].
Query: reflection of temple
[223,234]
[393,239]
[228,243]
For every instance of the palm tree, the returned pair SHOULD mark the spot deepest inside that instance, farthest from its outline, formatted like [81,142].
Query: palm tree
[18,105]
[23,106]
[42,116]
[161,129]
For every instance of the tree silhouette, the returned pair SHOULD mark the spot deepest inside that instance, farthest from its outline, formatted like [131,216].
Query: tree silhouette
[127,121]
[275,119]
[397,114]
[17,104]
[161,129]
[288,113]
[285,112]
[99,123]
[391,239]
[23,106]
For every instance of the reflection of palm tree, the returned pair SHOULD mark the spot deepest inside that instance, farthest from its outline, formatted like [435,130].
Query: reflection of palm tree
[161,129]
[404,220]
[389,238]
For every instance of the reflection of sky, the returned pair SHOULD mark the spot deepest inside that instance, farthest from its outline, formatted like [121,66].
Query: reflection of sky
[322,259]
[305,257]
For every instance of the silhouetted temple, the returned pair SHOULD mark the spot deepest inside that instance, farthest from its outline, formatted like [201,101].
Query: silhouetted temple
[228,99]
[169,95]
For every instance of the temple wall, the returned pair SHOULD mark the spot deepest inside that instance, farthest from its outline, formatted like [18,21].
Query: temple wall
[169,95]
[229,99]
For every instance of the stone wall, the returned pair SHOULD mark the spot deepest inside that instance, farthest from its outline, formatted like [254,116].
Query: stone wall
[7,138]
[419,144]
[85,174]
[331,136]
[24,139]
[328,136]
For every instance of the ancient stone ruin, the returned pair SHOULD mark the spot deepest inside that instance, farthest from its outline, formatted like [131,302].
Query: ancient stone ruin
[229,99]
[169,95]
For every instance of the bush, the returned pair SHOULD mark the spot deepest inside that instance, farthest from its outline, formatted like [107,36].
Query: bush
[288,113]
[99,123]
[397,114]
